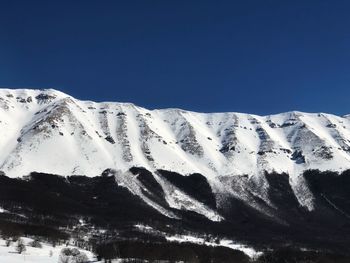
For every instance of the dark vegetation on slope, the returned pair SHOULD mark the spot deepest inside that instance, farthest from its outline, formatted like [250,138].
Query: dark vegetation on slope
[331,190]
[155,191]
[174,252]
[195,185]
[194,253]
[50,206]
[324,227]
[62,199]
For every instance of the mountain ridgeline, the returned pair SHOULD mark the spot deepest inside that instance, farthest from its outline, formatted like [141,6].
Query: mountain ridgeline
[265,181]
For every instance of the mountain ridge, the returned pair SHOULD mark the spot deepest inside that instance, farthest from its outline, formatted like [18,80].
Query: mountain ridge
[116,172]
[51,132]
[54,90]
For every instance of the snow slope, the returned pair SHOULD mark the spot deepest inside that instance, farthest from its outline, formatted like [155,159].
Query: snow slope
[52,132]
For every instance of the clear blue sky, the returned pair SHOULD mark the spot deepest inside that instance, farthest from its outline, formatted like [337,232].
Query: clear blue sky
[248,56]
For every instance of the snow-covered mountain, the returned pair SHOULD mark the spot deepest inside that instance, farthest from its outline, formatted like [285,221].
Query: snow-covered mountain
[245,178]
[51,132]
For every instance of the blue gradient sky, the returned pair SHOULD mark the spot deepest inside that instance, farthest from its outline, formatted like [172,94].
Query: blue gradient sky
[248,56]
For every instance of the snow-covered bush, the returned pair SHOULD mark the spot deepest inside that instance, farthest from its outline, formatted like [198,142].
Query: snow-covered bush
[72,255]
[8,242]
[20,247]
[35,243]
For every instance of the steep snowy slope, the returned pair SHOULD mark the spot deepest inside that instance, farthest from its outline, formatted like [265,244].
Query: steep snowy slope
[52,132]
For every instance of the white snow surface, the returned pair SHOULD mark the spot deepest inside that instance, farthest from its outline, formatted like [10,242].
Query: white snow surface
[2,210]
[249,251]
[34,255]
[197,239]
[52,132]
